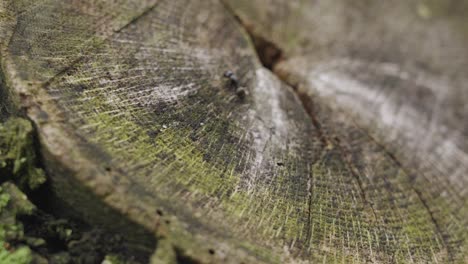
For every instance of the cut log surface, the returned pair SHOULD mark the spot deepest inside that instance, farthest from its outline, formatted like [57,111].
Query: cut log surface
[357,153]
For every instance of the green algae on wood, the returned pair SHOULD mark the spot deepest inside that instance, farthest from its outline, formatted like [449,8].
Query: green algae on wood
[141,127]
[193,160]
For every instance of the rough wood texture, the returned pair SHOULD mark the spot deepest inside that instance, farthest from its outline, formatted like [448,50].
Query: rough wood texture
[392,77]
[141,132]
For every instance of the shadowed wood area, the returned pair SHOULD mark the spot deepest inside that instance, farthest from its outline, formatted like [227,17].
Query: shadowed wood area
[351,150]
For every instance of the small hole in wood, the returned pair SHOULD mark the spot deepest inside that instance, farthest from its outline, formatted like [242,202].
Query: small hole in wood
[211,251]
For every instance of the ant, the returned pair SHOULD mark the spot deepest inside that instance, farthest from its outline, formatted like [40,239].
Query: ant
[232,77]
[240,91]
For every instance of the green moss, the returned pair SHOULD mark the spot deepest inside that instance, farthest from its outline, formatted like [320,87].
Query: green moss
[13,203]
[19,256]
[17,154]
[165,253]
[112,259]
[171,146]
[174,153]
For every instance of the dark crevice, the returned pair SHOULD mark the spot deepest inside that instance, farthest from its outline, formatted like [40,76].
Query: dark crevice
[270,55]
[267,51]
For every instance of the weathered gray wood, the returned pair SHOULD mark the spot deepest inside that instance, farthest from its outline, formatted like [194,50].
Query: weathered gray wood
[392,75]
[141,132]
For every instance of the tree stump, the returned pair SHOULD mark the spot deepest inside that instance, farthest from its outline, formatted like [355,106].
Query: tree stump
[261,131]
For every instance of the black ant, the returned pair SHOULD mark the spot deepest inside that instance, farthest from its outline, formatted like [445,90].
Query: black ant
[240,91]
[232,78]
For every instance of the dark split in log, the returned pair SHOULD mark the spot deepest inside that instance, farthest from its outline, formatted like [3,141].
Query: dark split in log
[261,131]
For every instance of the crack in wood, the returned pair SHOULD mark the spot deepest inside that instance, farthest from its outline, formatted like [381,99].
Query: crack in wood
[270,55]
[345,181]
